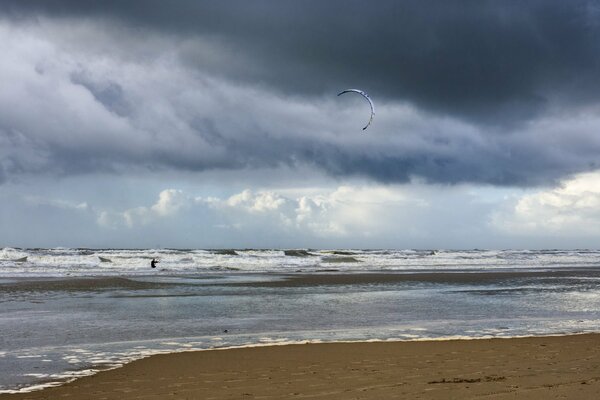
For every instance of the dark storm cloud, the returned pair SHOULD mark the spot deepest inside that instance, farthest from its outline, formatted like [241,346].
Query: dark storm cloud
[489,61]
[467,90]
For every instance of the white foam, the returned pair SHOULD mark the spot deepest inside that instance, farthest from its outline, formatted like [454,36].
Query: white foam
[100,360]
[74,262]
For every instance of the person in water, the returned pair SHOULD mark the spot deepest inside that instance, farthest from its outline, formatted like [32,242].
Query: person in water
[153,263]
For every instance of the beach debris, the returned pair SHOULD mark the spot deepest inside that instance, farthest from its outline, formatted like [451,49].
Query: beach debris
[489,378]
[298,253]
[104,259]
[366,96]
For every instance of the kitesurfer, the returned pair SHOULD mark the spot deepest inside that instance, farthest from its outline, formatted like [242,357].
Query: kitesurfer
[153,263]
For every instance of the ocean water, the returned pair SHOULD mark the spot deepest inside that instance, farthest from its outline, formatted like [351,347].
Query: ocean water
[70,312]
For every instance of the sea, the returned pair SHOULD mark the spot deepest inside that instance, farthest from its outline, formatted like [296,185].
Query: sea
[66,313]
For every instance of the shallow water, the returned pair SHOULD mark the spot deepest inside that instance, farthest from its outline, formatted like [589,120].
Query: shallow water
[64,312]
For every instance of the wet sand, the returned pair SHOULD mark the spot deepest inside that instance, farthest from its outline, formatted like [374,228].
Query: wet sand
[529,368]
[330,277]
[322,278]
[77,284]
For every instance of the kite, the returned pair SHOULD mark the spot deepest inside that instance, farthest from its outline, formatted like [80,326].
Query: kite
[366,96]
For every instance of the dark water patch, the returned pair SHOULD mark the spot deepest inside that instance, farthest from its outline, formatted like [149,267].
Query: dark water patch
[222,268]
[256,250]
[83,251]
[172,250]
[423,253]
[336,259]
[340,252]
[298,253]
[225,252]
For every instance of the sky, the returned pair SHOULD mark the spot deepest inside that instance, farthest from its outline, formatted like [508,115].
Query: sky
[194,124]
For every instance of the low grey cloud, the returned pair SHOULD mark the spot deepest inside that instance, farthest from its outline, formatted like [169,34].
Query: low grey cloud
[490,93]
[109,94]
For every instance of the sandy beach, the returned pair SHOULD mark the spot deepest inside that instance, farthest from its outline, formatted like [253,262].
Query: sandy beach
[528,368]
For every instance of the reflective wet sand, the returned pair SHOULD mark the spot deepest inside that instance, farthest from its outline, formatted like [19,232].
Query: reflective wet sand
[531,368]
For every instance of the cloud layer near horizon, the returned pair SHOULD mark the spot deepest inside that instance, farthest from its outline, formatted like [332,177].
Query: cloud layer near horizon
[351,216]
[360,216]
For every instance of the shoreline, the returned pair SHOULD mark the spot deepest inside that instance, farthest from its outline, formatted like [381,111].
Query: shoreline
[339,356]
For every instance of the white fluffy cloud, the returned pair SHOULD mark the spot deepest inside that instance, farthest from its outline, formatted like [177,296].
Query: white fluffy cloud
[357,211]
[359,215]
[169,203]
[257,203]
[571,209]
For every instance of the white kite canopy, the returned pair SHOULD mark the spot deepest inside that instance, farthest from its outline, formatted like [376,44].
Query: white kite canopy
[366,96]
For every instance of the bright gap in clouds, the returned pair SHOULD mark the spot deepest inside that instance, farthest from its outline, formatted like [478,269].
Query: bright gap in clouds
[415,215]
[570,210]
[360,215]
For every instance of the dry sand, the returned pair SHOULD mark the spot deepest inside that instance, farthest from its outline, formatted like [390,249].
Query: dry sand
[565,367]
